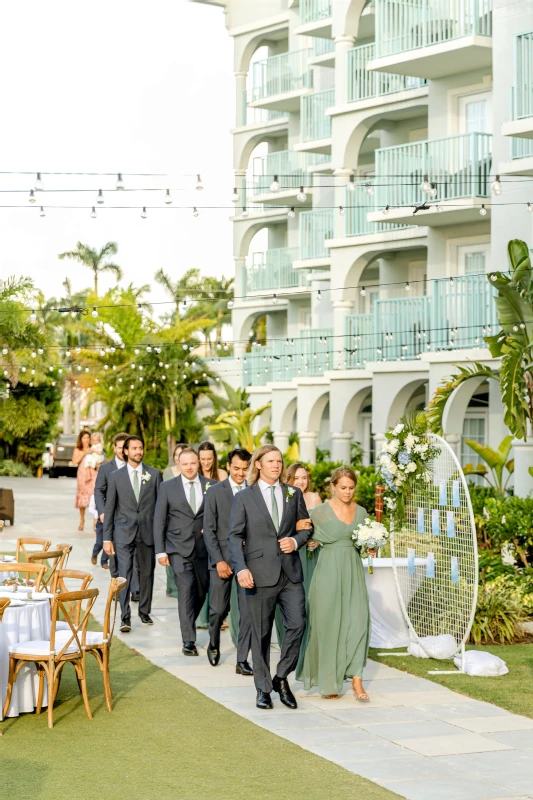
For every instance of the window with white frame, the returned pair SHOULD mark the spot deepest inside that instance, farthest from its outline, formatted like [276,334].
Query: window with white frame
[475,113]
[474,428]
[473,259]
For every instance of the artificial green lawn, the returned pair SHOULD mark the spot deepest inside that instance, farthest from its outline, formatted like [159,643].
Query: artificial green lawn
[163,741]
[510,691]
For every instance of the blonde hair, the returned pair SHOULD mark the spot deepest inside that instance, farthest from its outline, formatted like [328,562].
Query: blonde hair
[291,474]
[253,472]
[342,472]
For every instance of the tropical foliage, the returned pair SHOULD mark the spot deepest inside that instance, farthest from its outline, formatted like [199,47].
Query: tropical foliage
[499,467]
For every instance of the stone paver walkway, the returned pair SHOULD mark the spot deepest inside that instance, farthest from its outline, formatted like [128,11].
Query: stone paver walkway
[416,738]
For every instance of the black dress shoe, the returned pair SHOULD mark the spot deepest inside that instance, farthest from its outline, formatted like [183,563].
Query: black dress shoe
[146,620]
[125,627]
[189,649]
[263,699]
[243,668]
[134,597]
[281,686]
[213,655]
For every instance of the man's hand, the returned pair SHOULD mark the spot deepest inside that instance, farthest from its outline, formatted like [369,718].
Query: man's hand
[303,525]
[246,579]
[109,549]
[164,561]
[101,517]
[287,545]
[224,570]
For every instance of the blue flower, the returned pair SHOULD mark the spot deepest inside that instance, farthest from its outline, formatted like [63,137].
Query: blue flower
[404,457]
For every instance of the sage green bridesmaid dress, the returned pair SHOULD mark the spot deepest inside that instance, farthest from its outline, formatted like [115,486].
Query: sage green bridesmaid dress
[338,625]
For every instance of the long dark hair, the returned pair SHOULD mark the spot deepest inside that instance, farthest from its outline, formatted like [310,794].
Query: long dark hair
[214,470]
[291,474]
[81,434]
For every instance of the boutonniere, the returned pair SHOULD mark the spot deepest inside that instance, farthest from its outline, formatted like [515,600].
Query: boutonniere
[206,486]
[146,477]
[289,492]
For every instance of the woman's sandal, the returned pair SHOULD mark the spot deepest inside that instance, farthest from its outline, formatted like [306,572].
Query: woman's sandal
[361,697]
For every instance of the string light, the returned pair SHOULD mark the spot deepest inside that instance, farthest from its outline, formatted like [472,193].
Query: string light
[363,291]
[341,211]
[274,186]
[425,185]
[301,196]
[407,287]
[119,186]
[245,213]
[33,315]
[42,212]
[143,213]
[93,213]
[31,198]
[195,212]
[369,189]
[385,210]
[433,190]
[483,211]
[235,196]
[94,312]
[100,197]
[497,187]
[529,207]
[168,197]
[319,296]
[351,184]
[290,212]
[199,185]
[274,299]
[38,185]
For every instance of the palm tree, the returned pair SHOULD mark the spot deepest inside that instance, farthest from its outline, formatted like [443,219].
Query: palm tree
[239,425]
[95,260]
[188,287]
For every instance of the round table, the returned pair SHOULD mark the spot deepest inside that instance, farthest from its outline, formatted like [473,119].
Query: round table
[30,620]
[388,626]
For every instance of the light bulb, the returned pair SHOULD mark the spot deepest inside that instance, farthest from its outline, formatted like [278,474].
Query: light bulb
[341,211]
[363,291]
[301,196]
[38,185]
[235,196]
[351,184]
[230,303]
[168,197]
[93,213]
[42,212]
[319,296]
[274,299]
[195,212]
[529,207]
[33,315]
[31,198]
[369,189]
[290,212]
[497,187]
[67,353]
[100,198]
[94,313]
[143,213]
[120,183]
[274,186]
[199,185]
[244,213]
[439,209]
[385,210]
[425,185]
[407,287]
[483,211]
[433,190]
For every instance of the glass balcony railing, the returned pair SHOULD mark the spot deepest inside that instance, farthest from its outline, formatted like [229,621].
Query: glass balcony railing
[289,166]
[322,47]
[455,166]
[315,124]
[253,116]
[272,270]
[308,355]
[364,84]
[399,326]
[314,10]
[403,25]
[522,91]
[286,72]
[358,204]
[315,227]
[358,340]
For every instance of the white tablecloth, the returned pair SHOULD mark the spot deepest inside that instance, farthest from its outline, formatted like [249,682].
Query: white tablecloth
[20,624]
[389,628]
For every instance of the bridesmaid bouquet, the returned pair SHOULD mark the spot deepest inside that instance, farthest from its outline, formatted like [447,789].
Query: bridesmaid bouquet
[370,535]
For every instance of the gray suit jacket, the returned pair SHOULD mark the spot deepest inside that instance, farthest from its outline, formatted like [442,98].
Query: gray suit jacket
[251,522]
[177,529]
[124,517]
[100,487]
[217,510]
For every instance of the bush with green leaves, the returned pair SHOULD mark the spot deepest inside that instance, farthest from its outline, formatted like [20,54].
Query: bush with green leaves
[13,469]
[499,615]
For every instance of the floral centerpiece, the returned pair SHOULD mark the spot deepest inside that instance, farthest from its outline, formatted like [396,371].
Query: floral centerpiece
[370,535]
[403,463]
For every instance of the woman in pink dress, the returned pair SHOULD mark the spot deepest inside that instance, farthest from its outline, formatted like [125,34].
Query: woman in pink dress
[86,475]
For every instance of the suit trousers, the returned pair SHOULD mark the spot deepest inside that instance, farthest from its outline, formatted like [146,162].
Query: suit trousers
[135,578]
[193,585]
[99,544]
[262,601]
[125,555]
[219,603]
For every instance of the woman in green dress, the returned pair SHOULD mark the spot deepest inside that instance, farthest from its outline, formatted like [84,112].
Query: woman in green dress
[338,631]
[172,471]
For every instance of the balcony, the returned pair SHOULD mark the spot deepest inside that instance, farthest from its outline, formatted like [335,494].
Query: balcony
[273,271]
[290,169]
[366,85]
[252,116]
[315,124]
[315,18]
[463,312]
[315,227]
[522,91]
[323,52]
[449,175]
[358,204]
[431,38]
[280,81]
[307,356]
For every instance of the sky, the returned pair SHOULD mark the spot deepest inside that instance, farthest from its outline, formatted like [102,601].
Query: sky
[119,86]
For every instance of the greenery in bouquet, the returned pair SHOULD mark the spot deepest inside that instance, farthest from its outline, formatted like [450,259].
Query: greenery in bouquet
[370,535]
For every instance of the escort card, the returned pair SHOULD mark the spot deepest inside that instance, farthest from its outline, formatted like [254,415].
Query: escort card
[421,525]
[430,567]
[450,525]
[435,522]
[443,493]
[455,569]
[456,502]
[411,569]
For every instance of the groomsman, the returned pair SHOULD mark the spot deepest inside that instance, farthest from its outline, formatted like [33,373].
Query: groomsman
[128,518]
[218,502]
[271,518]
[179,541]
[100,491]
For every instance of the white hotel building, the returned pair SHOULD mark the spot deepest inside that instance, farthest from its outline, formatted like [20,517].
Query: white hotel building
[368,104]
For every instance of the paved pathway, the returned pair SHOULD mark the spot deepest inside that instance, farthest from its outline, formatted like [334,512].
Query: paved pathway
[416,738]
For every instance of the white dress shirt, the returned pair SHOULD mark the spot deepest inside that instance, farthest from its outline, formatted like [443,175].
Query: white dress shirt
[119,463]
[187,488]
[138,470]
[266,490]
[235,487]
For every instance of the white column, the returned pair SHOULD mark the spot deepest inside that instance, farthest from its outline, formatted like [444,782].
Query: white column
[340,447]
[281,440]
[342,45]
[240,277]
[379,441]
[308,440]
[523,460]
[239,181]
[240,88]
[341,308]
[454,440]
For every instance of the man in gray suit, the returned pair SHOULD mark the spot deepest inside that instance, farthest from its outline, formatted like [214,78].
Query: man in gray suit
[179,541]
[272,519]
[218,502]
[128,519]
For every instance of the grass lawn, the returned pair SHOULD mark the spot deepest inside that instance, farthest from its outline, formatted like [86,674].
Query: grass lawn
[163,741]
[510,691]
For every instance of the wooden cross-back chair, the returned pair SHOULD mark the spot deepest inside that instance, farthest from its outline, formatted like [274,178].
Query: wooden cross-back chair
[67,581]
[4,602]
[51,560]
[23,552]
[51,655]
[99,642]
[67,549]
[33,573]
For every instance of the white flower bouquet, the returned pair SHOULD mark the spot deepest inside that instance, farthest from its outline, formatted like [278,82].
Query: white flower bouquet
[370,535]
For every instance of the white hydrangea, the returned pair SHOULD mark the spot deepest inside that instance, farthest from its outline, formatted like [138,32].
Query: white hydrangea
[411,467]
[410,441]
[398,429]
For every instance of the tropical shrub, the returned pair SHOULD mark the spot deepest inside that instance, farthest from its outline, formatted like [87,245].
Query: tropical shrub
[499,614]
[11,469]
[320,477]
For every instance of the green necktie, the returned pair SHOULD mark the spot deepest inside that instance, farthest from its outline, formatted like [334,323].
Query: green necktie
[192,496]
[136,484]
[275,513]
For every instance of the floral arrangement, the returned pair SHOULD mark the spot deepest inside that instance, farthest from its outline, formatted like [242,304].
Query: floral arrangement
[403,462]
[370,535]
